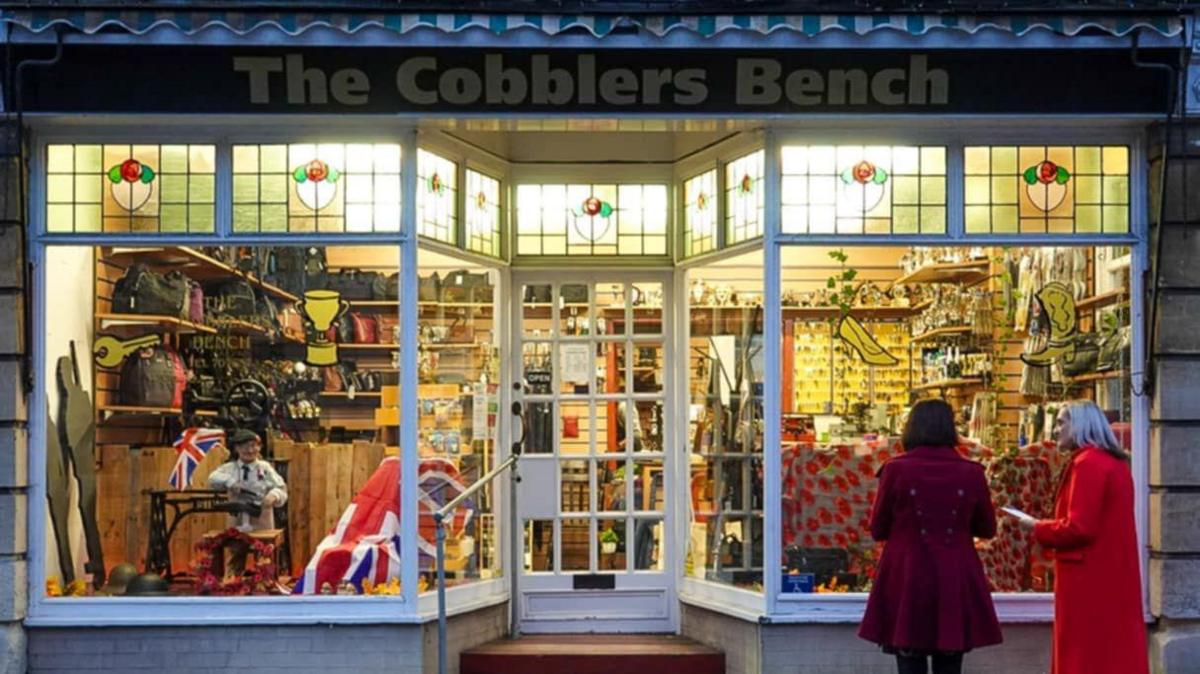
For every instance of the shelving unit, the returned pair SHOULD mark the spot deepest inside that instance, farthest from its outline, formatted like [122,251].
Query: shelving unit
[942,332]
[107,321]
[1102,300]
[1097,376]
[108,411]
[950,383]
[196,265]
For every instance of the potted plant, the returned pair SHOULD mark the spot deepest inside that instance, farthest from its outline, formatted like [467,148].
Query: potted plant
[608,541]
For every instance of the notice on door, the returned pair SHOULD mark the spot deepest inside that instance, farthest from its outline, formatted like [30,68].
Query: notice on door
[575,363]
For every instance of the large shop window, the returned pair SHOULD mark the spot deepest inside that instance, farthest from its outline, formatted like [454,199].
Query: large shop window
[1041,189]
[851,189]
[303,187]
[1007,335]
[212,421]
[725,364]
[130,188]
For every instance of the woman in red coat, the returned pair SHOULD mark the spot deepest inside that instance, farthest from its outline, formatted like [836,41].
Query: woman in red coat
[930,599]
[1098,624]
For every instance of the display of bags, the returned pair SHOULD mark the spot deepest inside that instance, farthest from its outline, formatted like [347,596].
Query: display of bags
[153,377]
[352,284]
[388,328]
[365,328]
[291,322]
[235,299]
[429,288]
[463,286]
[143,291]
[386,287]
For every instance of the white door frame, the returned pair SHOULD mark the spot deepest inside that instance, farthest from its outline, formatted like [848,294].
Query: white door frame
[639,601]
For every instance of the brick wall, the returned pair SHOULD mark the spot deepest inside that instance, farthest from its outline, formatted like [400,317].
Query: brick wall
[13,456]
[1174,534]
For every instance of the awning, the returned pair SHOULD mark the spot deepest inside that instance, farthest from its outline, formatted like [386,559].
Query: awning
[296,23]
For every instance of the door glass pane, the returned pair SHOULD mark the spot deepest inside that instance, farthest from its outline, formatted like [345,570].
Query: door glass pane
[573,485]
[539,545]
[575,428]
[647,367]
[649,490]
[610,427]
[647,426]
[612,543]
[575,368]
[647,308]
[610,309]
[573,310]
[536,313]
[576,537]
[610,485]
[539,428]
[648,544]
[538,374]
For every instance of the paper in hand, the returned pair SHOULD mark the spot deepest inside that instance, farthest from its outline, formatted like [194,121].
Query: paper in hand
[1019,514]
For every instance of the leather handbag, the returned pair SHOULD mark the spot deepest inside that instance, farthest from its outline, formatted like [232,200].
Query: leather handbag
[463,286]
[143,291]
[332,379]
[365,328]
[429,288]
[352,284]
[388,329]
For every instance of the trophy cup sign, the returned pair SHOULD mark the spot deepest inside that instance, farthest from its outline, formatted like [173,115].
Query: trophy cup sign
[322,308]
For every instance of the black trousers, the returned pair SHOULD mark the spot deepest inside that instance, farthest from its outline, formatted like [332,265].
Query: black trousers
[943,663]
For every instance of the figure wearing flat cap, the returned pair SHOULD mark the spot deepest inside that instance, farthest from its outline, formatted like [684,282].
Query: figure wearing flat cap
[251,481]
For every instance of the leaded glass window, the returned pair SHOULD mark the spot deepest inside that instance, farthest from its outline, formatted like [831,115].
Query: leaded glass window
[855,189]
[483,213]
[437,194]
[306,187]
[592,219]
[1047,189]
[119,188]
[700,214]
[744,197]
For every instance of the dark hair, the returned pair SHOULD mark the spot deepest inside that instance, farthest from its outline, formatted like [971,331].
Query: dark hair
[930,424]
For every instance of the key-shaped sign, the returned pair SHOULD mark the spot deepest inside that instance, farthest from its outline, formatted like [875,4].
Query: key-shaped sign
[110,351]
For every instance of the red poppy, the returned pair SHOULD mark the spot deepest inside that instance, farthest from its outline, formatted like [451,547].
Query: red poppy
[812,524]
[812,468]
[866,469]
[826,516]
[809,499]
[844,452]
[840,539]
[840,519]
[824,485]
[843,485]
[808,539]
[852,535]
[853,478]
[131,170]
[843,506]
[883,456]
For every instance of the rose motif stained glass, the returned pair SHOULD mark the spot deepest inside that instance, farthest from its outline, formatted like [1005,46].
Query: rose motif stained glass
[118,188]
[308,187]
[437,197]
[744,207]
[483,213]
[856,189]
[596,219]
[1046,189]
[700,214]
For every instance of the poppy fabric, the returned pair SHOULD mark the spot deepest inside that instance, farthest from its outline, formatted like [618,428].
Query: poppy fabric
[1098,625]
[930,591]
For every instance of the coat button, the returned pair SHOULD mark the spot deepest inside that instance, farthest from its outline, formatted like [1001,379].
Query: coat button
[912,492]
[960,493]
[949,531]
[922,532]
[953,511]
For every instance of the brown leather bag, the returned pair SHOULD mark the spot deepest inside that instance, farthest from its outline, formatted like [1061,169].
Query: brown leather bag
[332,378]
[388,329]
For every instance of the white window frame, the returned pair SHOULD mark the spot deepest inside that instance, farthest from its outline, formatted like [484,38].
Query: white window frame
[308,609]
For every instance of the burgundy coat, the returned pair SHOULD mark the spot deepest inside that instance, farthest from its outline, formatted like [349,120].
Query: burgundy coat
[930,591]
[1098,623]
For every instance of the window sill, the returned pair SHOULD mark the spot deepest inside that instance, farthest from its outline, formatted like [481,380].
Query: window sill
[281,610]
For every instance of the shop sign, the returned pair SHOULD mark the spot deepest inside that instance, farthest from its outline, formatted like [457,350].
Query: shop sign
[679,81]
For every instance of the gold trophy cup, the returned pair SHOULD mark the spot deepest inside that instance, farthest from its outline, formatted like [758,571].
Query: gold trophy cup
[322,308]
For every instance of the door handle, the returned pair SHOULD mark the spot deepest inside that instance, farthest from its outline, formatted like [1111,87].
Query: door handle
[518,411]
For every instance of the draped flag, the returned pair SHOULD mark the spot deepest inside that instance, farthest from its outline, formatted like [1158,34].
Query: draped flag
[365,544]
[190,449]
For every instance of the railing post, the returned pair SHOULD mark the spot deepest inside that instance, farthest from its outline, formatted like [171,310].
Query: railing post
[441,590]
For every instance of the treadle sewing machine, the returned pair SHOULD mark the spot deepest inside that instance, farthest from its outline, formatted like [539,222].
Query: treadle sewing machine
[193,501]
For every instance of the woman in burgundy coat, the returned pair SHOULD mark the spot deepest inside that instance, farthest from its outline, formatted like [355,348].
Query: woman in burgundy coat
[930,599]
[1098,622]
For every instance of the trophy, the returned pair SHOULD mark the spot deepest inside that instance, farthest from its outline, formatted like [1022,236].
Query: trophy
[322,308]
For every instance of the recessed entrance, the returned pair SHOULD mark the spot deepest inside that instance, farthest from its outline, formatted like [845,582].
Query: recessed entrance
[592,352]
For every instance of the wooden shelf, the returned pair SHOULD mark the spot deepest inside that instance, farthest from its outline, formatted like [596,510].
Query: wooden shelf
[941,332]
[371,347]
[955,272]
[196,265]
[1097,376]
[452,345]
[134,410]
[378,304]
[878,313]
[1102,300]
[357,394]
[950,383]
[168,322]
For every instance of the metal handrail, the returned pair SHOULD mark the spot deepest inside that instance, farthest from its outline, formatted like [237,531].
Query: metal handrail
[439,518]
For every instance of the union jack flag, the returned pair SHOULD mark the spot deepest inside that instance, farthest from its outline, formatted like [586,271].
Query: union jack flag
[190,449]
[365,544]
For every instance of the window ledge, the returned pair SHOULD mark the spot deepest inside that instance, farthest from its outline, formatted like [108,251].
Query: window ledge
[308,610]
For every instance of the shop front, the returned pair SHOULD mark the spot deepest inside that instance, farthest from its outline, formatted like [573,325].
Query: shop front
[299,281]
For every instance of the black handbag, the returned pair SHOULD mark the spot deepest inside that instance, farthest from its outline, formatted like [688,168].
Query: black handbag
[537,294]
[153,377]
[429,288]
[142,291]
[386,287]
[235,299]
[352,284]
[463,286]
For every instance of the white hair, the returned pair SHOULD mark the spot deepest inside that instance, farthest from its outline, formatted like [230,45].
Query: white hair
[1089,427]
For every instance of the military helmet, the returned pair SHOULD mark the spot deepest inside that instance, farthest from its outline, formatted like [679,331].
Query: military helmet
[147,585]
[119,578]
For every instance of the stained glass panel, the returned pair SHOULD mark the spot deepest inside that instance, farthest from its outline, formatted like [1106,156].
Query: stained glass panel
[855,189]
[437,194]
[306,187]
[744,197]
[1046,189]
[700,214]
[483,213]
[583,219]
[130,188]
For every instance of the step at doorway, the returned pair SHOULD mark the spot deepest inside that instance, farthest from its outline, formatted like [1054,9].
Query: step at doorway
[593,654]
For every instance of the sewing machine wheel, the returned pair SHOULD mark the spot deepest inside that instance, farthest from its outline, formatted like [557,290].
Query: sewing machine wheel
[246,402]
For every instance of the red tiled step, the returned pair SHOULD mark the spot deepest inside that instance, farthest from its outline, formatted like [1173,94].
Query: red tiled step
[593,654]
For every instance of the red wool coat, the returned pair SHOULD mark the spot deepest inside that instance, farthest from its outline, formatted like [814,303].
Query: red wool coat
[930,592]
[1098,625]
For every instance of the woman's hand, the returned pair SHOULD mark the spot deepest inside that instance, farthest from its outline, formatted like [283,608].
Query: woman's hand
[1027,523]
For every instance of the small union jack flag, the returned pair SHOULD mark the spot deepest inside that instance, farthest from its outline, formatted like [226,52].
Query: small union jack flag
[190,449]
